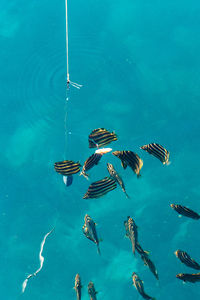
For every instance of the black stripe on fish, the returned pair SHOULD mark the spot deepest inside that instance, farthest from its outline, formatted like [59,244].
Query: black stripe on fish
[131,159]
[189,277]
[185,211]
[101,137]
[67,167]
[187,260]
[100,188]
[158,151]
[90,162]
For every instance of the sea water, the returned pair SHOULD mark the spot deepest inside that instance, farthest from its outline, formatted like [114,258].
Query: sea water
[139,65]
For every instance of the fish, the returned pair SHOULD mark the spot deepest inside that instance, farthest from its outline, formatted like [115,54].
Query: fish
[131,232]
[78,287]
[100,188]
[89,230]
[158,151]
[67,167]
[138,283]
[68,180]
[187,260]
[113,174]
[185,211]
[100,137]
[140,249]
[148,262]
[131,159]
[103,150]
[188,277]
[89,163]
[91,291]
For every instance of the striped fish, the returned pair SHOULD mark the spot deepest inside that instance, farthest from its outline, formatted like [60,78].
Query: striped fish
[158,151]
[131,159]
[187,260]
[113,174]
[67,167]
[89,163]
[100,137]
[189,277]
[185,211]
[100,188]
[91,291]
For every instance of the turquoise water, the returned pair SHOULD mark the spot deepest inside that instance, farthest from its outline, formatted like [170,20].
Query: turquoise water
[139,64]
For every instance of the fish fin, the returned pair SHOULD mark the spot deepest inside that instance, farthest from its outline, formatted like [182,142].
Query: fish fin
[147,252]
[98,250]
[85,175]
[124,165]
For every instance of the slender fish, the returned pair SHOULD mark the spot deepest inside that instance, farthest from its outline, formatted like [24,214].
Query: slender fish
[91,291]
[100,137]
[158,151]
[189,277]
[131,159]
[78,287]
[140,249]
[100,188]
[187,260]
[67,167]
[137,282]
[131,232]
[148,262]
[185,211]
[113,174]
[89,229]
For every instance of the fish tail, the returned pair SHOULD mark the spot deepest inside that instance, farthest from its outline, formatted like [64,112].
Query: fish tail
[85,175]
[127,196]
[98,249]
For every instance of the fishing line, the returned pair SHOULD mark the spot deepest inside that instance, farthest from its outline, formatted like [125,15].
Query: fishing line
[69,83]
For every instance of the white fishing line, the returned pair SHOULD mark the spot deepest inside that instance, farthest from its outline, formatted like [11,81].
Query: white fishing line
[41,258]
[69,82]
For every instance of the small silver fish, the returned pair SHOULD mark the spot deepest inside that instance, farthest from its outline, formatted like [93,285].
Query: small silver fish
[113,173]
[89,229]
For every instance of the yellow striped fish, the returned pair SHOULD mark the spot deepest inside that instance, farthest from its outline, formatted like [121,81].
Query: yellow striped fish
[67,167]
[131,159]
[158,151]
[89,163]
[100,188]
[100,137]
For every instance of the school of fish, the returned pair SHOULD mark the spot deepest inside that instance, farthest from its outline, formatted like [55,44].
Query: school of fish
[102,137]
